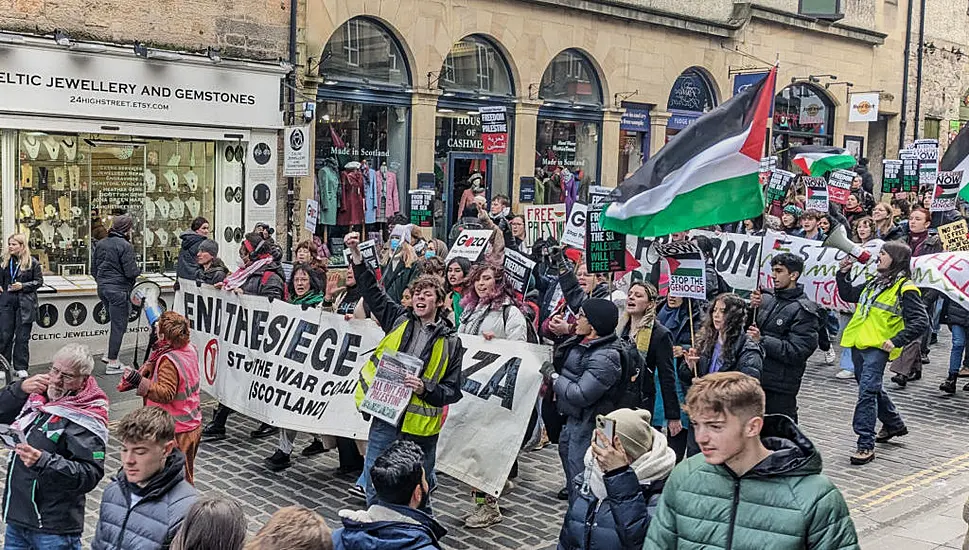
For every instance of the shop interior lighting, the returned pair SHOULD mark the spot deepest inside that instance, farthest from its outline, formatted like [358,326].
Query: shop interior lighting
[445,110]
[7,38]
[330,82]
[214,54]
[449,94]
[483,97]
[114,143]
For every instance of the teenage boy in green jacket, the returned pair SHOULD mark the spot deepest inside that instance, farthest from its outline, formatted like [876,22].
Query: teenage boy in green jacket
[757,483]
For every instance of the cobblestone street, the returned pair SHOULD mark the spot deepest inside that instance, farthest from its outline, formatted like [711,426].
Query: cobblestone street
[916,466]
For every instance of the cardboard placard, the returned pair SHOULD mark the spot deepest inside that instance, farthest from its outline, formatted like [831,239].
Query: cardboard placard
[946,192]
[817,194]
[777,186]
[312,215]
[910,169]
[927,152]
[494,130]
[543,221]
[839,186]
[892,176]
[575,227]
[954,236]
[368,249]
[421,207]
[518,270]
[605,250]
[471,244]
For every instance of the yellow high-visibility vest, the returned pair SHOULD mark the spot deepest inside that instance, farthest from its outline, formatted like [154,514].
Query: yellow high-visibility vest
[420,418]
[882,321]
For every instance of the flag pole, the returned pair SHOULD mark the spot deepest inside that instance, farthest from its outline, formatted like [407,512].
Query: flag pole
[689,307]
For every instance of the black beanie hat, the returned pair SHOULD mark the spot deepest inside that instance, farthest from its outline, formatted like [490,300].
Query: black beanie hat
[603,315]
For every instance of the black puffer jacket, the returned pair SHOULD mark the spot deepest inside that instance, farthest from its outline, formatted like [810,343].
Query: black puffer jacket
[187,266]
[266,282]
[589,376]
[657,362]
[114,263]
[151,523]
[788,324]
[49,496]
[954,314]
[215,273]
[745,356]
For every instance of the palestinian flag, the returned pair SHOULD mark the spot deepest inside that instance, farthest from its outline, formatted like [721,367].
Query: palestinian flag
[707,174]
[815,160]
[956,159]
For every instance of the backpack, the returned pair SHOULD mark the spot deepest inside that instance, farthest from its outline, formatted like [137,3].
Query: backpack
[631,364]
[531,334]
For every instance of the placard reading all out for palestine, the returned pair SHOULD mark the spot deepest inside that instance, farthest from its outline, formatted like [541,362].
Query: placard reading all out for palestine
[892,176]
[605,250]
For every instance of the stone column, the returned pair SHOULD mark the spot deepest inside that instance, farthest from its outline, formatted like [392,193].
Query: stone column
[657,130]
[526,135]
[422,129]
[609,147]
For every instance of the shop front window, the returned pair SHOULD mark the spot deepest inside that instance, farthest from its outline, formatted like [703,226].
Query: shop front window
[572,79]
[72,185]
[363,51]
[475,65]
[568,159]
[692,95]
[803,115]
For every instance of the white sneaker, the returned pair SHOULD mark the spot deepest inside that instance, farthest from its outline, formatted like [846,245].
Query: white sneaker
[844,374]
[114,368]
[830,356]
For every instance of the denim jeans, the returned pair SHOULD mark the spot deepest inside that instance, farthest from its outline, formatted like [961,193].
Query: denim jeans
[846,363]
[873,402]
[382,436]
[22,538]
[958,348]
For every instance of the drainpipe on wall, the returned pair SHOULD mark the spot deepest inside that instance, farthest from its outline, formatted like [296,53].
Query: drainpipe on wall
[903,123]
[918,71]
[291,116]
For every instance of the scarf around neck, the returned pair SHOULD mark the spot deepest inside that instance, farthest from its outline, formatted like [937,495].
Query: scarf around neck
[238,278]
[654,465]
[875,286]
[87,408]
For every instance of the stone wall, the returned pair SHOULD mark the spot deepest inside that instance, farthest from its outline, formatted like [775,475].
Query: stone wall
[250,29]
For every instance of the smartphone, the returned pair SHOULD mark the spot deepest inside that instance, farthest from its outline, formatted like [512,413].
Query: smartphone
[608,427]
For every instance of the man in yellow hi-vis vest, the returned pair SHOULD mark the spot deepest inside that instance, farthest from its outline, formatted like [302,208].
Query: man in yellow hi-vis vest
[422,332]
[889,314]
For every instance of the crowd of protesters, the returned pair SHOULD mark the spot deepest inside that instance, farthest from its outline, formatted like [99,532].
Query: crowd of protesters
[701,394]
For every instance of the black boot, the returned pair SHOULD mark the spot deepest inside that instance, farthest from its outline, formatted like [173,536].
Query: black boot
[264,430]
[900,379]
[949,386]
[215,430]
[278,461]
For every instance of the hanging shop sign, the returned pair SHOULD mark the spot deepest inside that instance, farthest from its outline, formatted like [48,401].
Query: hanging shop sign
[45,81]
[635,120]
[864,107]
[296,156]
[743,81]
[494,130]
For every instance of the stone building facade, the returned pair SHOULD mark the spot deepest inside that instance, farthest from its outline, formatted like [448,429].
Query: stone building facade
[590,86]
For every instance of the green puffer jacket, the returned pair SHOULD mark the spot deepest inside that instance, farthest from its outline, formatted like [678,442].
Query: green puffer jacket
[783,503]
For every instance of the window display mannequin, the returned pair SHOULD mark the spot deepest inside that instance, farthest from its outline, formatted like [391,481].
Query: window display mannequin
[370,192]
[351,211]
[475,187]
[328,188]
[388,200]
[570,188]
[540,181]
[553,188]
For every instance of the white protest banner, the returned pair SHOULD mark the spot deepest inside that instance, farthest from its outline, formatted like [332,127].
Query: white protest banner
[471,244]
[735,256]
[864,107]
[297,155]
[946,191]
[574,234]
[817,194]
[954,236]
[312,215]
[543,221]
[518,270]
[927,153]
[298,369]
[839,186]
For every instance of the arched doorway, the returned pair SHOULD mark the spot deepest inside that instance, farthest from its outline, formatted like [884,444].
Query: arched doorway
[692,94]
[803,115]
[363,129]
[569,125]
[474,126]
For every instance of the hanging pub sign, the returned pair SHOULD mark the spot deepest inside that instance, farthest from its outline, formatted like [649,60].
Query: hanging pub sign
[892,176]
[605,250]
[494,130]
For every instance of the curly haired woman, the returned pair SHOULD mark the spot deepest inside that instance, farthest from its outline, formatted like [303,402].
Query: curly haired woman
[722,345]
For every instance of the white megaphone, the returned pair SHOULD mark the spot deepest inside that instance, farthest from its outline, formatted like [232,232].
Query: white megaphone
[145,295]
[839,239]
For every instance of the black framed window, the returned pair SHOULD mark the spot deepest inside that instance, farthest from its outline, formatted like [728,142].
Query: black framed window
[363,51]
[571,78]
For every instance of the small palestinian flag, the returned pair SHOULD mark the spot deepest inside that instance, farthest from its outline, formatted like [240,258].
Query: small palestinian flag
[815,160]
[682,263]
[707,174]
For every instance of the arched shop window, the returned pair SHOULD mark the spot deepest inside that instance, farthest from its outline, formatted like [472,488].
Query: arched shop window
[692,94]
[474,126]
[569,124]
[803,115]
[362,131]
